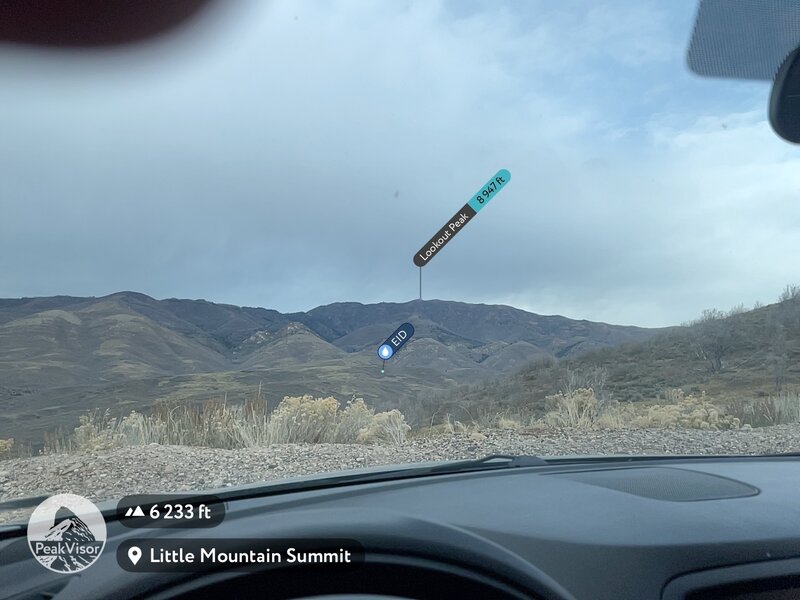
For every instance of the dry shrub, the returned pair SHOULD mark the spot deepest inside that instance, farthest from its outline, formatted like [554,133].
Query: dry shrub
[386,427]
[673,395]
[97,431]
[578,408]
[216,424]
[690,412]
[303,419]
[581,409]
[351,421]
[5,448]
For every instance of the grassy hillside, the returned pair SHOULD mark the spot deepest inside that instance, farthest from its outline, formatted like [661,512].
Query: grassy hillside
[734,357]
[62,356]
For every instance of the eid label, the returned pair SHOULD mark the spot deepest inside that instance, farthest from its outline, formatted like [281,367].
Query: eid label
[395,341]
[459,220]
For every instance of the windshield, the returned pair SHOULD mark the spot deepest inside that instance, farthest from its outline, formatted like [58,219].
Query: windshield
[245,250]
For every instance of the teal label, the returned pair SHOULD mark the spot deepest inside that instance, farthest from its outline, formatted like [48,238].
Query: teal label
[488,191]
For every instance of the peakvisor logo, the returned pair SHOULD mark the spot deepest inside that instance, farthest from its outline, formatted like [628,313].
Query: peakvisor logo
[66,533]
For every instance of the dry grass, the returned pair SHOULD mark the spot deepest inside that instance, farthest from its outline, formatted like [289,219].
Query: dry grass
[581,409]
[578,408]
[217,424]
[449,426]
[6,447]
[778,409]
[306,419]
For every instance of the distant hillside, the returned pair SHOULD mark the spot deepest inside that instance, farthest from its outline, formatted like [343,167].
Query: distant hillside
[736,355]
[60,356]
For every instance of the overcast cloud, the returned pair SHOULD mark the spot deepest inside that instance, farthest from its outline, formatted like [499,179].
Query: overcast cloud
[292,154]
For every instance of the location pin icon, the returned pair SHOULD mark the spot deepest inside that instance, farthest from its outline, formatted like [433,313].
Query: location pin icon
[134,554]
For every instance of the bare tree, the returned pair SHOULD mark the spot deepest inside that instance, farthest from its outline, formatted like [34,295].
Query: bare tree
[790,292]
[714,336]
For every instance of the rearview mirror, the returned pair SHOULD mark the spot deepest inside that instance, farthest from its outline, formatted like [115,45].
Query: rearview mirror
[84,23]
[784,101]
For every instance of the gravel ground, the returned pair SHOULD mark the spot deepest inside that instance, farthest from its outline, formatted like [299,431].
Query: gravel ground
[152,469]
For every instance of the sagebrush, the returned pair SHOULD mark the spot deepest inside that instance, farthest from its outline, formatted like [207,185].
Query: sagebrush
[217,424]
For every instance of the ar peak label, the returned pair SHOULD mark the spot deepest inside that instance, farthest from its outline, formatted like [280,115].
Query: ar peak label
[462,217]
[395,341]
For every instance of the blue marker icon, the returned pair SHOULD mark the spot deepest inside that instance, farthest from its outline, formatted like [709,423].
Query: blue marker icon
[395,341]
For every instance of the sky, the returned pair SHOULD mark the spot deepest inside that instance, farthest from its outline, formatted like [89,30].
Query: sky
[293,154]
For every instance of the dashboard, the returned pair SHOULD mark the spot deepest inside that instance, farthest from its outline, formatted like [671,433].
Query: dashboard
[661,529]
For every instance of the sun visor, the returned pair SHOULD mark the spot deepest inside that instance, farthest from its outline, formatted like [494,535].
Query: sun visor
[743,39]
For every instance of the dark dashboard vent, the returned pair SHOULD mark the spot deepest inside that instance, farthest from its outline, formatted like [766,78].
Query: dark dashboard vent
[665,483]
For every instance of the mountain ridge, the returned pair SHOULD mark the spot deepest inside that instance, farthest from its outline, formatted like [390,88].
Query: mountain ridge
[63,355]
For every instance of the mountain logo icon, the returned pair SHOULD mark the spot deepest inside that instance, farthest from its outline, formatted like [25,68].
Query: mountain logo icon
[66,533]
